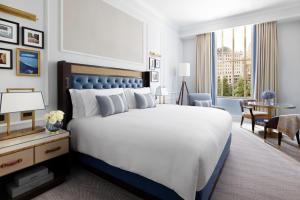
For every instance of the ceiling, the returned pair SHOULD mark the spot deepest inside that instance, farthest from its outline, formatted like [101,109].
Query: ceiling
[188,12]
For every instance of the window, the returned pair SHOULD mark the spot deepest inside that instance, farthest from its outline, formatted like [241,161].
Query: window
[234,62]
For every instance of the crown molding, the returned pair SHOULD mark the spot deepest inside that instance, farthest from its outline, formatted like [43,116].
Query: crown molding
[259,16]
[140,9]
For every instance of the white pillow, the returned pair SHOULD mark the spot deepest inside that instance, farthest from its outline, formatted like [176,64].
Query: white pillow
[129,95]
[85,104]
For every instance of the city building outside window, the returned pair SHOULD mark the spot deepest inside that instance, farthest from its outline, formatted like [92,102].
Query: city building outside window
[234,48]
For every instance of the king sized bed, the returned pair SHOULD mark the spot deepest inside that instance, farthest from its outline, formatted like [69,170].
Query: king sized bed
[169,151]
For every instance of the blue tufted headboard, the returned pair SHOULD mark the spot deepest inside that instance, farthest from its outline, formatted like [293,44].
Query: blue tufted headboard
[80,76]
[105,82]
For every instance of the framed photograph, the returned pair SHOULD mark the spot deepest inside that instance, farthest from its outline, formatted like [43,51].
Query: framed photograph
[151,63]
[154,76]
[6,59]
[9,31]
[157,63]
[32,38]
[28,62]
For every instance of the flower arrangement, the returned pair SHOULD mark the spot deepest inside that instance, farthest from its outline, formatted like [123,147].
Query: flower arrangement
[268,95]
[54,120]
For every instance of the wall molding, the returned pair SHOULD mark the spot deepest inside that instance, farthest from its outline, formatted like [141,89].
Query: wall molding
[109,59]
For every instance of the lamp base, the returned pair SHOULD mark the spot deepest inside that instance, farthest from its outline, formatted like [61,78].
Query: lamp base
[180,98]
[20,133]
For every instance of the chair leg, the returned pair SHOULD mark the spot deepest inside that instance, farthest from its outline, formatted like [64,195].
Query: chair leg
[265,132]
[298,139]
[279,138]
[253,125]
[242,120]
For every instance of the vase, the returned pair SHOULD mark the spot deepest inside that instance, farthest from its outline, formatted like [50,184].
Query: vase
[53,127]
[269,101]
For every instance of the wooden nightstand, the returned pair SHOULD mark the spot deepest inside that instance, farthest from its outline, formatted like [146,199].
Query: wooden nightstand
[42,149]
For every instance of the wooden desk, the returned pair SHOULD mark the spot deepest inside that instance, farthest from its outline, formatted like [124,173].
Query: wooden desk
[271,106]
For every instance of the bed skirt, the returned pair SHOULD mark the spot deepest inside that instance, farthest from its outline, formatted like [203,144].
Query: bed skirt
[150,187]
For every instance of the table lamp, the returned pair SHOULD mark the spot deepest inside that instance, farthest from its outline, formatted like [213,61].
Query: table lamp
[12,102]
[161,92]
[184,71]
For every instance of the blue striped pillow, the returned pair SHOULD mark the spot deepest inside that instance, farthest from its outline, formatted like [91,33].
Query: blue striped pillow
[203,103]
[144,100]
[113,104]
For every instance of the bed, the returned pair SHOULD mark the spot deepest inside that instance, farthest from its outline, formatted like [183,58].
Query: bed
[178,157]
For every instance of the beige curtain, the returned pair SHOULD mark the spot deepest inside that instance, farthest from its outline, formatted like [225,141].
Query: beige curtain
[266,58]
[203,63]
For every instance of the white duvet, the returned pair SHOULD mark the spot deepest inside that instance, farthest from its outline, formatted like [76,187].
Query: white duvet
[176,146]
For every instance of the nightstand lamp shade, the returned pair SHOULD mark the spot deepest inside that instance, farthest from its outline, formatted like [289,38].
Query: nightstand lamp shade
[161,91]
[21,101]
[12,102]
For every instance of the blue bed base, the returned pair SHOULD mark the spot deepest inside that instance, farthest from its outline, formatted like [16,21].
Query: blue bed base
[148,186]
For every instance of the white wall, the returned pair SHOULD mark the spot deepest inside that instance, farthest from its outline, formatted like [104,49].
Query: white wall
[8,78]
[289,65]
[159,37]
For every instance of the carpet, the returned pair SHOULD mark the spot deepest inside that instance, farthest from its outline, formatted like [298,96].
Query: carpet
[254,170]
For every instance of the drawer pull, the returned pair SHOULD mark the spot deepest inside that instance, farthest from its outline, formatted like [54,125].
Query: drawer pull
[52,150]
[11,163]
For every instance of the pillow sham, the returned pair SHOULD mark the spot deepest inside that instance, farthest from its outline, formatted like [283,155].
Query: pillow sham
[85,104]
[112,104]
[129,94]
[203,103]
[144,101]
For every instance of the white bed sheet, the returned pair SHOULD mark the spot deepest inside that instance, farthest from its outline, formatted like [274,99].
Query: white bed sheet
[177,146]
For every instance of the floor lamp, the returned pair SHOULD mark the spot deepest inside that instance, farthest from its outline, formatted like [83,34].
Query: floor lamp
[184,71]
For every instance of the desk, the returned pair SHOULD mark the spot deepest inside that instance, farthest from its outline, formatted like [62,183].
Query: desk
[271,106]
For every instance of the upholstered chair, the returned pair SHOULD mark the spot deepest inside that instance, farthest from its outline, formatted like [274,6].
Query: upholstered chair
[249,112]
[193,97]
[273,123]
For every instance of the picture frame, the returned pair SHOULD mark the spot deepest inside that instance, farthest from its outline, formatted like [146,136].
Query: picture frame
[9,31]
[28,62]
[154,76]
[157,63]
[6,61]
[151,63]
[32,38]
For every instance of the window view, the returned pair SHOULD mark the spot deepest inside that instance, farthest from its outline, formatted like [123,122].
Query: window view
[234,61]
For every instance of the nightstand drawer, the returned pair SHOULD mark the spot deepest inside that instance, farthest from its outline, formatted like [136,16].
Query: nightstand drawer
[51,150]
[16,161]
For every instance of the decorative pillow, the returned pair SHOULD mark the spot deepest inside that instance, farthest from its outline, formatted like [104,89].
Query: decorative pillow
[112,104]
[85,103]
[144,100]
[206,103]
[129,94]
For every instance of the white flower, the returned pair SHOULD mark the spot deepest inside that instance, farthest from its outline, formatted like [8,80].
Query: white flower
[55,116]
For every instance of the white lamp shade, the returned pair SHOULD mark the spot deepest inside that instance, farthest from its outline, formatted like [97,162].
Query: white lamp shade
[161,91]
[184,69]
[21,101]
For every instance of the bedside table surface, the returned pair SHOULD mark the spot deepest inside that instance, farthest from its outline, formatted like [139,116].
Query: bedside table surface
[7,146]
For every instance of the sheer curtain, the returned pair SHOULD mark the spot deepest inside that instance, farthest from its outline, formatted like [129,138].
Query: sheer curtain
[266,58]
[204,61]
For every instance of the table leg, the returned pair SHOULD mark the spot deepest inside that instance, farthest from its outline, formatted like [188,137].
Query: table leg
[270,131]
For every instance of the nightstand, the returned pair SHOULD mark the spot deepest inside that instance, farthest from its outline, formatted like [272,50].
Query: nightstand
[50,150]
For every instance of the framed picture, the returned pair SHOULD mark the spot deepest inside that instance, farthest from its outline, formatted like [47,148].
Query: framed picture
[28,62]
[157,63]
[6,59]
[151,63]
[154,76]
[9,31]
[32,38]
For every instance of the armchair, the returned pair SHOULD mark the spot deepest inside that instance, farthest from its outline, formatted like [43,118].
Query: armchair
[192,97]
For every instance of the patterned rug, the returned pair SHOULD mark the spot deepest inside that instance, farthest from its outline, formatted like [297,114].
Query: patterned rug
[254,170]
